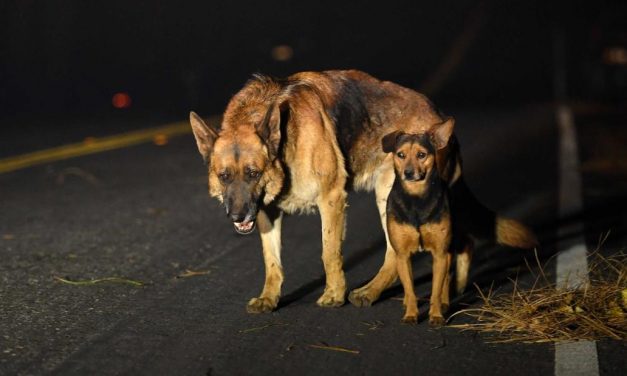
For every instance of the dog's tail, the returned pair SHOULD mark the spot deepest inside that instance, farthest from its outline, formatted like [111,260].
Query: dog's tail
[514,234]
[480,222]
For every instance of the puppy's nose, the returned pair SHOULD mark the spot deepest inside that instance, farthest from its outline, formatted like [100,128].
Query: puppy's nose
[409,174]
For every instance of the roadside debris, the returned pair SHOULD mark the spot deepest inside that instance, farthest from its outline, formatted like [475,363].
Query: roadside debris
[373,325]
[191,273]
[545,313]
[78,172]
[243,331]
[325,346]
[99,280]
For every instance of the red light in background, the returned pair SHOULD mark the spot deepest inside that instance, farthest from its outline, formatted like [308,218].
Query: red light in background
[121,100]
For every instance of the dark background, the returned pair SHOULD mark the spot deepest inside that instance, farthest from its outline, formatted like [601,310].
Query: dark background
[66,58]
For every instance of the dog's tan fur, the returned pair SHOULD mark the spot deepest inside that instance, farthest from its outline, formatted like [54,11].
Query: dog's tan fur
[310,155]
[307,139]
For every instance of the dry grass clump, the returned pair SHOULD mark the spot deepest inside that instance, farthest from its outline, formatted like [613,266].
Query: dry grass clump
[545,313]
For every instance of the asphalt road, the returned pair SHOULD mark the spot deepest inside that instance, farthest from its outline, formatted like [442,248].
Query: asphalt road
[143,213]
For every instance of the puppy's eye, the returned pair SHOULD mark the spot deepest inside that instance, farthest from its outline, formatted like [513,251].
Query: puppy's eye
[253,174]
[401,155]
[421,155]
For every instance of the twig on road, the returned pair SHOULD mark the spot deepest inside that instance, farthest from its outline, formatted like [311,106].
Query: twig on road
[373,325]
[99,280]
[243,331]
[79,172]
[192,273]
[334,348]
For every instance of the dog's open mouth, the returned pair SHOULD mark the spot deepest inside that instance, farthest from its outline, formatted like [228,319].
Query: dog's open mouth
[416,181]
[245,227]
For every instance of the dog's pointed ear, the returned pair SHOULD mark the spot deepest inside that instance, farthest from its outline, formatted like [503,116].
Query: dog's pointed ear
[388,142]
[442,132]
[270,130]
[204,134]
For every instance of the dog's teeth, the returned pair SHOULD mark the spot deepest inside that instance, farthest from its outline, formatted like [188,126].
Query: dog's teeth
[244,226]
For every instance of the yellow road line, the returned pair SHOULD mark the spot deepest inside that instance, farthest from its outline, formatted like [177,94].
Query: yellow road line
[95,145]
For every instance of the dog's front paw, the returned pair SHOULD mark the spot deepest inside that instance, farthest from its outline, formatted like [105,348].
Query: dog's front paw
[436,321]
[331,299]
[261,305]
[410,319]
[360,298]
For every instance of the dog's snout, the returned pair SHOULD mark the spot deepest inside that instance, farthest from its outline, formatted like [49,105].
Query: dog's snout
[237,217]
[239,214]
[409,174]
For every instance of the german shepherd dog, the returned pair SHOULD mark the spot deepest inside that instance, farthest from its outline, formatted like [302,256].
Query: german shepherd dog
[298,144]
[419,217]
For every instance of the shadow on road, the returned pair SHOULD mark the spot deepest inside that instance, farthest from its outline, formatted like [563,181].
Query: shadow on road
[349,263]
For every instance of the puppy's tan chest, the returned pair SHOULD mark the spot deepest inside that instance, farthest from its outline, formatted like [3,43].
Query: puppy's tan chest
[433,235]
[428,237]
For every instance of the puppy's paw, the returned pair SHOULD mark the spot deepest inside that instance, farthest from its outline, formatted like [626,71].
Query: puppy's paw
[360,298]
[436,321]
[410,319]
[261,305]
[331,299]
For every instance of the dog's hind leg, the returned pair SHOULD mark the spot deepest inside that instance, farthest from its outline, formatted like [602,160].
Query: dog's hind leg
[332,206]
[369,293]
[464,257]
[269,224]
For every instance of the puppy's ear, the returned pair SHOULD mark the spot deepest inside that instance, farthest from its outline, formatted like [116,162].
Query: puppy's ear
[270,130]
[441,133]
[388,142]
[205,135]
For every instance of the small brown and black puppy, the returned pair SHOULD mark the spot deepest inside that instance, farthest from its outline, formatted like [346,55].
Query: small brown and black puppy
[419,215]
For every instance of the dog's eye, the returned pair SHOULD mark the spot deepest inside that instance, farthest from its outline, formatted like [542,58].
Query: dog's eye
[401,155]
[224,177]
[253,174]
[421,155]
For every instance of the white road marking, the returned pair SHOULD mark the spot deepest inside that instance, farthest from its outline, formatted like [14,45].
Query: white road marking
[571,358]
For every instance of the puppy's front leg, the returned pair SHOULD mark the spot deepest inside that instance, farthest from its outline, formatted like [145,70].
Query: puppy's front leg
[403,265]
[332,207]
[269,224]
[405,239]
[441,264]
